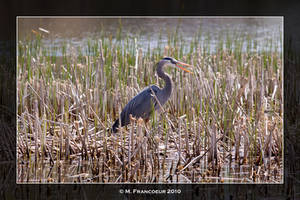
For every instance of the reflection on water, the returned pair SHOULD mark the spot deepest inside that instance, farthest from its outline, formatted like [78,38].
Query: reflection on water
[150,33]
[81,171]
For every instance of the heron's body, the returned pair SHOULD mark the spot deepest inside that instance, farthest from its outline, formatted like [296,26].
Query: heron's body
[143,103]
[140,106]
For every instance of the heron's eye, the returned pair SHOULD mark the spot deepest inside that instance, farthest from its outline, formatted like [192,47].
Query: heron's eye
[173,61]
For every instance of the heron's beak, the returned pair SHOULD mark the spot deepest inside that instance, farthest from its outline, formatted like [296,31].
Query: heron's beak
[184,64]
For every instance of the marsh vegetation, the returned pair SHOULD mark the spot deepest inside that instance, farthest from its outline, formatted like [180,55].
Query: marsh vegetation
[222,124]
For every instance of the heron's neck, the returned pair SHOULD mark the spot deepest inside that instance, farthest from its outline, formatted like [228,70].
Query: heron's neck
[168,83]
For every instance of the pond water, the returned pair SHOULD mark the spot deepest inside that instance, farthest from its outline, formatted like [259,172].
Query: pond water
[82,171]
[150,32]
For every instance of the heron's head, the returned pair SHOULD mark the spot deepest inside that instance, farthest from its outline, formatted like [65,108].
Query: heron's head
[175,63]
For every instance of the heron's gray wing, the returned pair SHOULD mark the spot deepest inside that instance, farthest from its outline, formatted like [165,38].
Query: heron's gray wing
[140,106]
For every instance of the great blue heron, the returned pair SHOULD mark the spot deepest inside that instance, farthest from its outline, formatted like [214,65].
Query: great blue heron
[143,103]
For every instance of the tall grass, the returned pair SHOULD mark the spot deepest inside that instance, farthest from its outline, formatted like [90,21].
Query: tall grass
[228,112]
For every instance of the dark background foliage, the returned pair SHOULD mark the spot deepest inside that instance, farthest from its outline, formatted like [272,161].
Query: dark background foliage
[289,9]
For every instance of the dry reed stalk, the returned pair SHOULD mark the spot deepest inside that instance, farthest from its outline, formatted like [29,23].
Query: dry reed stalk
[26,133]
[171,172]
[25,95]
[43,135]
[176,170]
[146,153]
[251,85]
[179,141]
[197,143]
[62,111]
[59,171]
[36,130]
[165,153]
[67,144]
[246,147]
[139,141]
[214,152]
[131,144]
[237,143]
[158,166]
[187,145]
